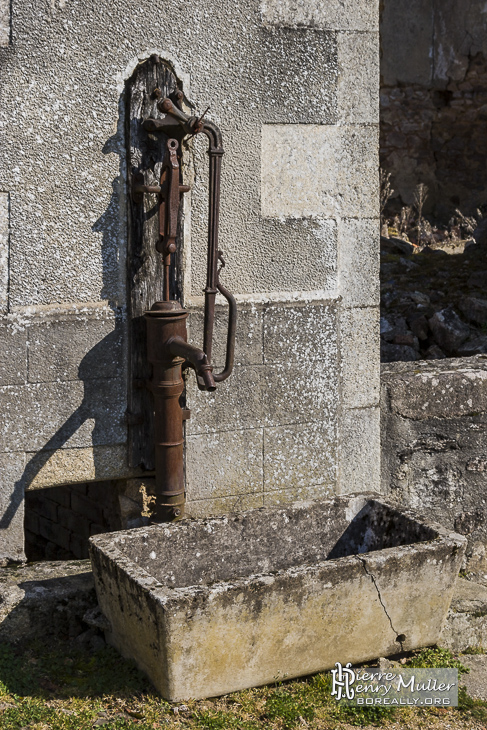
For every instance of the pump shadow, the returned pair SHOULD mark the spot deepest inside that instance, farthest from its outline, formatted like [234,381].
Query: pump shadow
[102,369]
[96,405]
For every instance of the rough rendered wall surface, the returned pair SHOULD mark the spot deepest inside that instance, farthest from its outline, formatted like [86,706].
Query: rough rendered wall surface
[434,99]
[434,445]
[295,92]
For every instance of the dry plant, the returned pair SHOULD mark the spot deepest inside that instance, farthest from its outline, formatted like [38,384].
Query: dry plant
[419,199]
[404,221]
[386,191]
[411,224]
[464,225]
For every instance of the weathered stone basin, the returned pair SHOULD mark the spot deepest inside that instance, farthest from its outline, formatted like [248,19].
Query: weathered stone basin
[210,606]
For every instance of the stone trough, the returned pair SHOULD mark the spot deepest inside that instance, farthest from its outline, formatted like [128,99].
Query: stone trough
[215,605]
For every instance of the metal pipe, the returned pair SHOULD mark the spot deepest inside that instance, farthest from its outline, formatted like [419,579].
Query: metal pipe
[195,357]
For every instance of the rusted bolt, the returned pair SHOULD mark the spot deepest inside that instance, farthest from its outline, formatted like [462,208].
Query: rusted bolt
[165,105]
[176,512]
[155,58]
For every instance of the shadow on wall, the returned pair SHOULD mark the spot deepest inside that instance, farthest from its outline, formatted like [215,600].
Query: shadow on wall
[97,405]
[102,368]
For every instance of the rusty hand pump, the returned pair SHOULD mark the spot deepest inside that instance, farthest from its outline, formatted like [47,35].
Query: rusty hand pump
[168,350]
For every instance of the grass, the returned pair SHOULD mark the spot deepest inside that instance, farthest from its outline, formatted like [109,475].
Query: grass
[474,650]
[66,687]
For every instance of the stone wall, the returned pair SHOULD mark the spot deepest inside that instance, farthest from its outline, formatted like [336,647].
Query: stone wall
[434,445]
[434,100]
[295,92]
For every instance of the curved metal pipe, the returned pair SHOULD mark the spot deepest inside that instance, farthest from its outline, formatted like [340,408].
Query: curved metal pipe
[232,323]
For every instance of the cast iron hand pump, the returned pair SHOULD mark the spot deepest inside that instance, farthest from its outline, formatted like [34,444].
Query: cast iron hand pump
[168,350]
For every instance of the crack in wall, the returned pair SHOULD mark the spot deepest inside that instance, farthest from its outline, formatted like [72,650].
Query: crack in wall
[371,576]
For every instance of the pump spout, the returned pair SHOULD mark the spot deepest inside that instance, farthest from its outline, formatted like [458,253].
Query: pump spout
[178,347]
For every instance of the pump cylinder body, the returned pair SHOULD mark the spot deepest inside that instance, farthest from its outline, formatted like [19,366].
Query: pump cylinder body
[166,320]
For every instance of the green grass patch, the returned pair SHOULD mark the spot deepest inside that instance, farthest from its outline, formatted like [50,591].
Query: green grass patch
[436,658]
[67,687]
[474,650]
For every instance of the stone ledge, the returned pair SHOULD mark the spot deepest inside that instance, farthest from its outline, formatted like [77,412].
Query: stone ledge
[45,599]
[446,389]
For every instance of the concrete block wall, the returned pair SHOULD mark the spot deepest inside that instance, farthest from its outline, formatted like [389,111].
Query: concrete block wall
[295,91]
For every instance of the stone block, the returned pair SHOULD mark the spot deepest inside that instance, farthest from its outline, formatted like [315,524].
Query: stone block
[312,56]
[305,333]
[248,340]
[75,348]
[70,466]
[307,267]
[283,497]
[254,397]
[4,216]
[298,458]
[43,506]
[61,495]
[11,507]
[445,392]
[31,523]
[224,505]
[434,435]
[359,452]
[61,415]
[13,354]
[330,15]
[358,78]
[236,404]
[44,599]
[360,351]
[86,507]
[224,464]
[300,393]
[358,256]
[79,547]
[4,22]
[97,530]
[466,622]
[296,255]
[319,171]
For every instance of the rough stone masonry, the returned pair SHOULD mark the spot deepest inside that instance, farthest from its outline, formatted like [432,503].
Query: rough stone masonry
[294,88]
[434,101]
